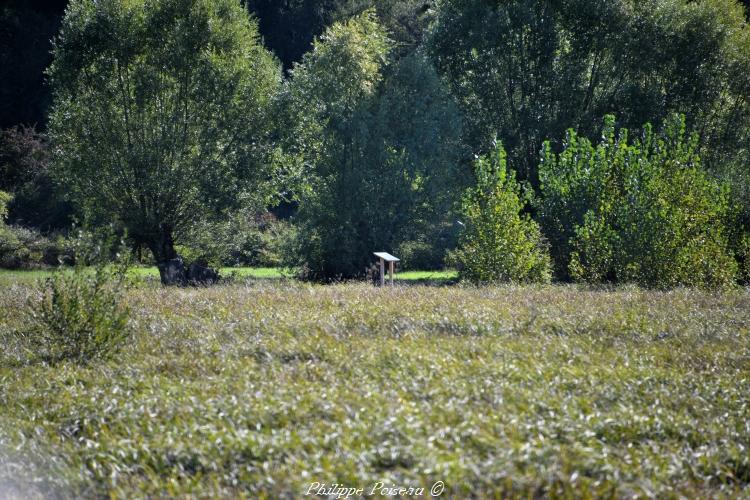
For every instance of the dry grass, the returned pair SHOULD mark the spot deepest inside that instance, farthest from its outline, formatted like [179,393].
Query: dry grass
[260,389]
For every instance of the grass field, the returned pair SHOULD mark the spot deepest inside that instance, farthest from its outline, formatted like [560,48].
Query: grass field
[8,277]
[261,389]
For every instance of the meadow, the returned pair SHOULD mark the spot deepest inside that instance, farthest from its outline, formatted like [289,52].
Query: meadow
[262,388]
[10,277]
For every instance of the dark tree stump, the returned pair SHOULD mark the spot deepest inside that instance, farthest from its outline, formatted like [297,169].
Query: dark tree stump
[199,274]
[373,274]
[172,272]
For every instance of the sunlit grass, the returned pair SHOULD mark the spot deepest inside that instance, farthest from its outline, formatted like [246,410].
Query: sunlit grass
[242,272]
[426,275]
[8,277]
[259,388]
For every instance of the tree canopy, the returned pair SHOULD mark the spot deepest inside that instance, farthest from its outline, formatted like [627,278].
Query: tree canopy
[381,142]
[374,123]
[527,69]
[161,113]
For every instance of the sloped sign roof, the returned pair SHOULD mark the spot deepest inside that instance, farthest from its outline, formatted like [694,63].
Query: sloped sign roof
[387,257]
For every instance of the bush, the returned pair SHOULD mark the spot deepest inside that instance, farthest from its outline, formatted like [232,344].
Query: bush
[26,248]
[644,213]
[743,258]
[499,243]
[259,241]
[420,256]
[5,200]
[242,239]
[25,160]
[22,247]
[10,248]
[80,315]
[428,245]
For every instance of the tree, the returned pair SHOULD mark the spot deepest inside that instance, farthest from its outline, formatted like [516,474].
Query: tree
[161,114]
[379,141]
[405,21]
[642,211]
[24,172]
[500,242]
[529,69]
[326,96]
[417,164]
[289,27]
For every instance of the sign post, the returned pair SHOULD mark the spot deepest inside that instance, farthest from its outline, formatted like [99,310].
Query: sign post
[391,260]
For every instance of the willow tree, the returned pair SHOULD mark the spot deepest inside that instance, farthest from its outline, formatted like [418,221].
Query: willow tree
[380,142]
[161,115]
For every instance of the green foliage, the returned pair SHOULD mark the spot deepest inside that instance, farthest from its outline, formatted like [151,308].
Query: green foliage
[80,315]
[428,252]
[289,28]
[240,239]
[530,69]
[24,248]
[344,69]
[500,244]
[418,255]
[326,99]
[24,172]
[264,244]
[379,142]
[162,114]
[742,253]
[406,21]
[413,155]
[5,199]
[644,212]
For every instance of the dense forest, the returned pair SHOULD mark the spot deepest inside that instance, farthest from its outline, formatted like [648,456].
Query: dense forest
[577,140]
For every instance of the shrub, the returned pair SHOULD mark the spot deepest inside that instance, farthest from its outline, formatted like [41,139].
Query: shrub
[12,250]
[643,212]
[428,245]
[420,255]
[241,239]
[500,243]
[38,201]
[80,315]
[26,248]
[258,241]
[743,258]
[22,247]
[9,247]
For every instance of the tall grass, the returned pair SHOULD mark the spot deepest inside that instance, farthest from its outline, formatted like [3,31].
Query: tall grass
[259,390]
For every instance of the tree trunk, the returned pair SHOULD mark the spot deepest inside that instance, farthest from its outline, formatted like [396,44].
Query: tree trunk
[171,266]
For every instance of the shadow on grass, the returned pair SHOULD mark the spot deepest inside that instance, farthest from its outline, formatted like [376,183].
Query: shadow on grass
[150,275]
